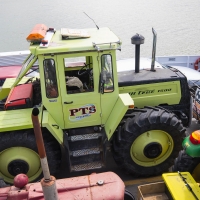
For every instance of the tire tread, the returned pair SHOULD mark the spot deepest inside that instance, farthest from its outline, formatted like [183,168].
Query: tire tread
[149,119]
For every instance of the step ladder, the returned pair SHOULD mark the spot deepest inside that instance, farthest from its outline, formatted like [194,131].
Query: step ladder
[85,148]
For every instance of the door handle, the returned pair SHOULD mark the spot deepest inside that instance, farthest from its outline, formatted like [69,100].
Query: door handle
[55,125]
[69,102]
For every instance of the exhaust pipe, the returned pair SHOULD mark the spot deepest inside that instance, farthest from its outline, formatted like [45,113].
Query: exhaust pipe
[153,50]
[137,40]
[48,182]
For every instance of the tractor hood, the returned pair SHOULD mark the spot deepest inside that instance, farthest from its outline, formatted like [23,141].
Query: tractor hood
[192,75]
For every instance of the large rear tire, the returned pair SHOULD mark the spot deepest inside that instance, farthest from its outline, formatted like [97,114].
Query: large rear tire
[19,154]
[149,142]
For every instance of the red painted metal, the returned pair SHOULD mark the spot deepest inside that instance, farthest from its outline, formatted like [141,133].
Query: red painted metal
[9,71]
[107,186]
[20,97]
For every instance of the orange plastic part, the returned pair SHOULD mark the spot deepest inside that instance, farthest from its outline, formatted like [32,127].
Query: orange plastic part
[195,137]
[38,33]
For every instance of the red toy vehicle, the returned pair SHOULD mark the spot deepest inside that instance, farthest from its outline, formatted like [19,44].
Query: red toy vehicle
[100,186]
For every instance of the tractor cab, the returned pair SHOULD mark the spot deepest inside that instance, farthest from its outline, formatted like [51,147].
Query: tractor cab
[78,73]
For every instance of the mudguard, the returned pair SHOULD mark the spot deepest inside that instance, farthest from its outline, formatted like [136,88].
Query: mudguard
[52,126]
[121,106]
[21,119]
[15,120]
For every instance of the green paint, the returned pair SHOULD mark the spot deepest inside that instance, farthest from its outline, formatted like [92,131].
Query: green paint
[191,149]
[156,93]
[118,112]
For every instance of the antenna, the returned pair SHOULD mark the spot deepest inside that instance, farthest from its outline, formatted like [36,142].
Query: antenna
[92,20]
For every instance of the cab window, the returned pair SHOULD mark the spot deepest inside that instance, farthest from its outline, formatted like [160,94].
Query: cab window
[79,74]
[107,73]
[50,78]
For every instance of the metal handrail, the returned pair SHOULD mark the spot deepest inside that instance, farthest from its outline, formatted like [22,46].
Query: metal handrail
[98,48]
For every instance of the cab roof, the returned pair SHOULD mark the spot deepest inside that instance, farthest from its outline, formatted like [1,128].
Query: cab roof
[99,39]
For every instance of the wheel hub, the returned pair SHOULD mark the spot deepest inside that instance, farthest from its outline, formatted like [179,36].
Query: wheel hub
[152,150]
[17,167]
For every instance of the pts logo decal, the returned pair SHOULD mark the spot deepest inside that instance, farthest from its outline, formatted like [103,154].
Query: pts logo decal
[77,114]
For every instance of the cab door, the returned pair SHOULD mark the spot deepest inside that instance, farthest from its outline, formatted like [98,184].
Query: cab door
[79,90]
[108,83]
[50,86]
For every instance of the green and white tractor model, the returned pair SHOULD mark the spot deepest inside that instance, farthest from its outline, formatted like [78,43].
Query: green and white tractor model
[87,106]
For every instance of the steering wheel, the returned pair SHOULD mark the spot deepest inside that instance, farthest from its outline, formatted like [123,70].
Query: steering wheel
[85,69]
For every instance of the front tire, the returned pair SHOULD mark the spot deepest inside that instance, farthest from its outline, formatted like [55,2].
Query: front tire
[149,142]
[185,163]
[19,154]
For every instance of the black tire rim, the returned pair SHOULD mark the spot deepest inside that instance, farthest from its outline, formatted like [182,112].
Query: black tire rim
[17,167]
[153,150]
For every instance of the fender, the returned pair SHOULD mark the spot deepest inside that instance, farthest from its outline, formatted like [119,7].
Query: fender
[13,120]
[121,106]
[52,126]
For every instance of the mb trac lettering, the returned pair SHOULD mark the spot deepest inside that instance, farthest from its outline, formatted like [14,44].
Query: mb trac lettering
[149,91]
[165,90]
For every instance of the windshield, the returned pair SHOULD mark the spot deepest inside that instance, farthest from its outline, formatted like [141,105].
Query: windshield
[27,64]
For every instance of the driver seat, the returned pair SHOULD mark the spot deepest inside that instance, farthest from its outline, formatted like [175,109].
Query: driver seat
[74,84]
